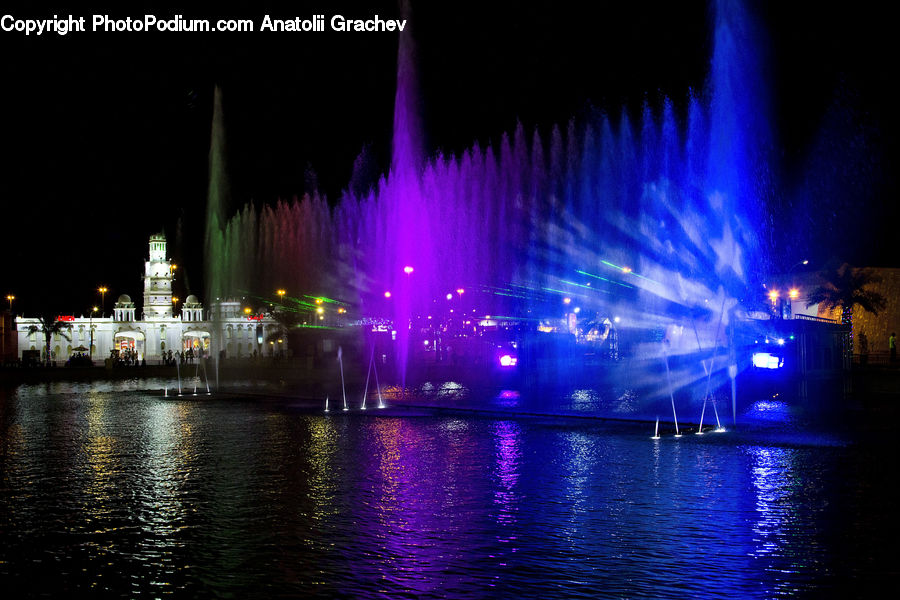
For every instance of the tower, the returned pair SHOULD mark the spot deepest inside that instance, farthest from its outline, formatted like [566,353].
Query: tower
[158,281]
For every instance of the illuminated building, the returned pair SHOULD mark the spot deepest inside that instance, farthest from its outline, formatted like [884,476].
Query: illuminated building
[159,329]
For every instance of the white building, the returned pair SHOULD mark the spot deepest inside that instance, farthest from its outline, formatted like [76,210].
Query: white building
[158,330]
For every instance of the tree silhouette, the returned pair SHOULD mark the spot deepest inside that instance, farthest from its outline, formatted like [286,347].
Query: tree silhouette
[49,327]
[844,287]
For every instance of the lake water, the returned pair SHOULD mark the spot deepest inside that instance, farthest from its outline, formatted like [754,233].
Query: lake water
[111,491]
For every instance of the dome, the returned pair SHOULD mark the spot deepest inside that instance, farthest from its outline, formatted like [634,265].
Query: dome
[192,299]
[124,299]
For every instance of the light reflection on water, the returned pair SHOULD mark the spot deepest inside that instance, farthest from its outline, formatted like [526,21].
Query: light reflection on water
[130,494]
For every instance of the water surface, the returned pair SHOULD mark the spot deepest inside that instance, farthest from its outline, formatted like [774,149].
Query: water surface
[126,493]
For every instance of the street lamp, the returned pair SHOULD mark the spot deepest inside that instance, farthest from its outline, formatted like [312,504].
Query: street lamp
[281,294]
[91,327]
[10,297]
[102,289]
[802,262]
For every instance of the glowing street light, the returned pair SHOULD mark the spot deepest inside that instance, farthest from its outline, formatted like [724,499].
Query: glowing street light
[626,269]
[797,264]
[102,289]
[407,269]
[387,294]
[460,291]
[794,293]
[567,300]
[281,294]
[247,310]
[10,298]
[320,310]
[449,296]
[773,296]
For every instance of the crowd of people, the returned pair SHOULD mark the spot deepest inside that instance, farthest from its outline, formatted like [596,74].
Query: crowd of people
[183,357]
[127,358]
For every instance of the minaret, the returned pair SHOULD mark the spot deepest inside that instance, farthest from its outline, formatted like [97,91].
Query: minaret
[158,281]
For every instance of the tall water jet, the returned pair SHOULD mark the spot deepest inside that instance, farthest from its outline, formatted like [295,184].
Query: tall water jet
[340,356]
[217,206]
[671,393]
[368,373]
[407,220]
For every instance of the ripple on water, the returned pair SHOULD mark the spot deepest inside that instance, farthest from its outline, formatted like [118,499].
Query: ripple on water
[128,494]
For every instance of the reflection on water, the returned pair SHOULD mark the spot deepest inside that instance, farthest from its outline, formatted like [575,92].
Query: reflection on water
[127,494]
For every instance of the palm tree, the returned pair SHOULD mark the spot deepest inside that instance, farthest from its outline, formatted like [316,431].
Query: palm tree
[844,287]
[50,327]
[285,321]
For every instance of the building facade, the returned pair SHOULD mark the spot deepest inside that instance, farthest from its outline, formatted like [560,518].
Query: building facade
[157,330]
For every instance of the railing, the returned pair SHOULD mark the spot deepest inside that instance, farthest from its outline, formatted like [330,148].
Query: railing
[816,319]
[873,358]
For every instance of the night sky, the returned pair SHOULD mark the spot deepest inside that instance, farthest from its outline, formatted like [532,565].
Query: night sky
[105,136]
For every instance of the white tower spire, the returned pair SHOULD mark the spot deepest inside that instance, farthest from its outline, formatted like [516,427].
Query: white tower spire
[158,281]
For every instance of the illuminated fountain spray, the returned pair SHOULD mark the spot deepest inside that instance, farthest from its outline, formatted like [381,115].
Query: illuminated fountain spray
[340,357]
[671,392]
[378,386]
[651,216]
[368,373]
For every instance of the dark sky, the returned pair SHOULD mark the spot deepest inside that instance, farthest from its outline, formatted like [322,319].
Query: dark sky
[105,136]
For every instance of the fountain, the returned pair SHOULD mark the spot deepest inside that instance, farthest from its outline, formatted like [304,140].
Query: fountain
[671,393]
[649,216]
[206,377]
[378,386]
[368,373]
[340,357]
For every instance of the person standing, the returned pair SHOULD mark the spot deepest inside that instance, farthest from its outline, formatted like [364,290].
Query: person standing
[892,344]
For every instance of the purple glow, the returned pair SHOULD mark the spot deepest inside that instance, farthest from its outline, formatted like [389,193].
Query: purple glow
[508,360]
